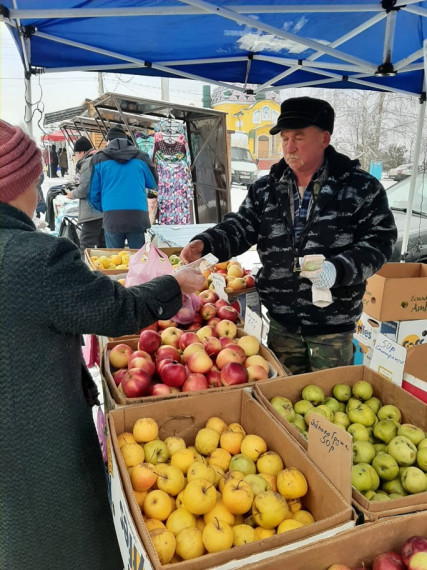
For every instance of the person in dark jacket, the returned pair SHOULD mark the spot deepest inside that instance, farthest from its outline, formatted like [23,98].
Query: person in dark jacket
[63,161]
[53,164]
[92,232]
[53,491]
[314,202]
[120,174]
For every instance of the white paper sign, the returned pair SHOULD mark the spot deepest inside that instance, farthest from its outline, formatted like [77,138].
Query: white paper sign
[253,323]
[219,284]
[388,359]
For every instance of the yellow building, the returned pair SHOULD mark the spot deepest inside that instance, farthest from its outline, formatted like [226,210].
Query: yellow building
[253,115]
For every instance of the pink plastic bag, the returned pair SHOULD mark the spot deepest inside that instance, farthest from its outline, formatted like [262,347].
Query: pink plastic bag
[101,428]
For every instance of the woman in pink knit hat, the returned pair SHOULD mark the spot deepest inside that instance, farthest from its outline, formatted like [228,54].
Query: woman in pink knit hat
[53,491]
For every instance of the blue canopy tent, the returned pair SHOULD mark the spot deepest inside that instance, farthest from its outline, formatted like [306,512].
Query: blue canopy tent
[375,45]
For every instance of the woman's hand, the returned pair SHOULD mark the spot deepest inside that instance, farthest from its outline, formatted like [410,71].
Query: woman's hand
[189,279]
[192,251]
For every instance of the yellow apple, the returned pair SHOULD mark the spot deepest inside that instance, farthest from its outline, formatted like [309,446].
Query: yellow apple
[174,443]
[253,445]
[217,536]
[261,533]
[271,480]
[200,523]
[179,519]
[237,496]
[178,499]
[237,284]
[151,524]
[269,509]
[258,483]
[230,476]
[269,462]
[231,441]
[289,524]
[132,454]
[237,427]
[221,512]
[250,344]
[303,516]
[198,456]
[183,458]
[156,451]
[257,359]
[140,497]
[216,423]
[143,476]
[145,429]
[235,271]
[220,458]
[125,437]
[219,474]
[170,479]
[199,496]
[157,505]
[207,440]
[291,483]
[164,543]
[243,534]
[199,470]
[189,543]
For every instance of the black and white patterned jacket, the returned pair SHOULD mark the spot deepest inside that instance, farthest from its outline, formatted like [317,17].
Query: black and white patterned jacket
[349,222]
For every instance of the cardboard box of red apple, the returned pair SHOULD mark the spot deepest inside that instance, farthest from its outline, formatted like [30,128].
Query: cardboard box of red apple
[398,543]
[173,362]
[413,412]
[184,418]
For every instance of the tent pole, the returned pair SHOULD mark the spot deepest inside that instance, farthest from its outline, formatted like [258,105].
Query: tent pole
[417,152]
[28,98]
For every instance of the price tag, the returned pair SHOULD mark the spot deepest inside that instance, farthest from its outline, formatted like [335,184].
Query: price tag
[331,449]
[253,323]
[219,285]
[388,359]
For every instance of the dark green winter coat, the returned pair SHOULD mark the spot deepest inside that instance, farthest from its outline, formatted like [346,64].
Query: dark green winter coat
[54,510]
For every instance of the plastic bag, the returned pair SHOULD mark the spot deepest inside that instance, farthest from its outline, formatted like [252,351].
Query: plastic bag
[190,304]
[101,428]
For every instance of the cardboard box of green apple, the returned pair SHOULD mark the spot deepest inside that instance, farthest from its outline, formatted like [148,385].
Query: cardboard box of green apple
[388,425]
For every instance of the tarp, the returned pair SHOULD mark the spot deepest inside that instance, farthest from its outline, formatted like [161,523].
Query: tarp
[55,136]
[322,43]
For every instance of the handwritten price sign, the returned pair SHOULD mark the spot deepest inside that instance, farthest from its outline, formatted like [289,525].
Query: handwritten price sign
[219,285]
[253,323]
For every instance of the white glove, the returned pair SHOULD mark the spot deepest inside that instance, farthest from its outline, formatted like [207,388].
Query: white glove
[323,278]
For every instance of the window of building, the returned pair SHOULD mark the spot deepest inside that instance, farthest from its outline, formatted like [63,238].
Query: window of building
[256,117]
[266,113]
[274,117]
[263,146]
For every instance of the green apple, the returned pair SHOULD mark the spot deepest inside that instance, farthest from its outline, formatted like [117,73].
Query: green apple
[362,390]
[299,422]
[156,451]
[403,450]
[340,418]
[374,476]
[380,497]
[422,443]
[318,410]
[380,448]
[374,403]
[389,412]
[371,437]
[359,432]
[362,414]
[351,404]
[368,494]
[242,463]
[332,403]
[341,407]
[363,452]
[414,433]
[394,486]
[395,496]
[258,483]
[313,394]
[414,480]
[328,411]
[422,458]
[284,407]
[342,392]
[386,466]
[385,430]
[364,477]
[302,406]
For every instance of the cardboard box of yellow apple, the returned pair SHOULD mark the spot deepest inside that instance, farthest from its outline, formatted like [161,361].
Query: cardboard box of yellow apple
[116,261]
[213,478]
[388,425]
[172,362]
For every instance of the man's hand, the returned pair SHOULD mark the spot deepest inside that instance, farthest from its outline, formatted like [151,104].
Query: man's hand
[189,279]
[192,251]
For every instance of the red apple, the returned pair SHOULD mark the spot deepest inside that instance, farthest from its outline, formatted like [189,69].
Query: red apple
[214,378]
[170,336]
[160,390]
[250,281]
[136,383]
[227,355]
[195,381]
[187,338]
[225,341]
[237,348]
[173,374]
[388,561]
[149,341]
[167,351]
[137,354]
[161,363]
[228,313]
[205,332]
[118,375]
[153,327]
[165,324]
[143,364]
[213,321]
[193,327]
[208,311]
[234,373]
[413,545]
[256,373]
[119,355]
[222,303]
[208,296]
[212,345]
[199,362]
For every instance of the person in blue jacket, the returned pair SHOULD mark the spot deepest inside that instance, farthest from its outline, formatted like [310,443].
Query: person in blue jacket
[121,173]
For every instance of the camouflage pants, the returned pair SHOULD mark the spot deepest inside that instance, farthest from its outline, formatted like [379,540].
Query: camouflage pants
[302,354]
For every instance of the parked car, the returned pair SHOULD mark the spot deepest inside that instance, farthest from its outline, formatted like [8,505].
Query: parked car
[400,172]
[398,202]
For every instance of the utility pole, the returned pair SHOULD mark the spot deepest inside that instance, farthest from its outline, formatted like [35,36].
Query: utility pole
[100,84]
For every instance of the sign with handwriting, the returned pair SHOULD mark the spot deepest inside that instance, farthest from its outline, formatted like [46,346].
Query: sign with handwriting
[331,449]
[253,323]
[219,285]
[389,359]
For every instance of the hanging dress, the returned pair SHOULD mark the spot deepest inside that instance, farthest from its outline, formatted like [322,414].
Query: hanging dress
[175,188]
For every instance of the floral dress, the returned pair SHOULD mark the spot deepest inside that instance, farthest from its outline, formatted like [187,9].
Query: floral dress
[175,188]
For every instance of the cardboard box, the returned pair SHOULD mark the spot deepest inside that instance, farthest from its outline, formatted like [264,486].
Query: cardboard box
[406,333]
[415,373]
[398,292]
[110,251]
[114,398]
[413,411]
[184,418]
[357,547]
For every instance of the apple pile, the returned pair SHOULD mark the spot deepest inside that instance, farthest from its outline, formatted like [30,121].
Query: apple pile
[389,457]
[173,360]
[225,490]
[412,556]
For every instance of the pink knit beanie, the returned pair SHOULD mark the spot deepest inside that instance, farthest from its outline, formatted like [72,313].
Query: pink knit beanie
[20,162]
